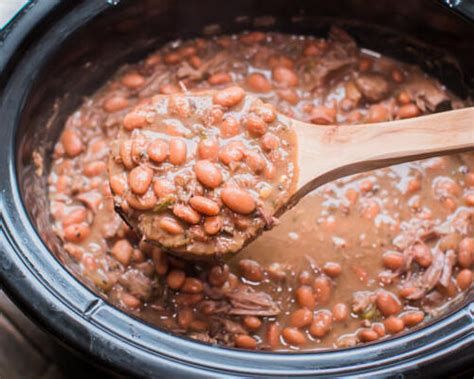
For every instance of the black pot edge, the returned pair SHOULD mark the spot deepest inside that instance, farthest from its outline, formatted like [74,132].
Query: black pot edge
[27,287]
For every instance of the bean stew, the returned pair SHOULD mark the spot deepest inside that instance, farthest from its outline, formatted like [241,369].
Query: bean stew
[357,260]
[221,164]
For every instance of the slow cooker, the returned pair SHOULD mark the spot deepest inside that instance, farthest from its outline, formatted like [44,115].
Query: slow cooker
[55,52]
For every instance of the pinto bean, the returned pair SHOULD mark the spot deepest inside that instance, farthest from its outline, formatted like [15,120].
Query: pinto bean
[213,225]
[171,225]
[293,336]
[305,297]
[256,162]
[204,205]
[289,95]
[368,335]
[245,342]
[115,104]
[270,142]
[133,80]
[408,111]
[229,97]
[219,78]
[158,150]
[238,200]
[273,335]
[208,173]
[122,251]
[393,260]
[255,125]
[208,149]
[175,279]
[340,312]
[230,127]
[163,188]
[168,89]
[139,179]
[411,318]
[466,252]
[77,232]
[285,76]
[72,143]
[218,275]
[95,168]
[232,152]
[142,203]
[134,120]
[258,83]
[130,301]
[387,303]
[251,270]
[252,322]
[178,151]
[125,152]
[322,288]
[332,269]
[393,324]
[464,279]
[186,214]
[76,216]
[301,317]
[321,324]
[185,316]
[192,285]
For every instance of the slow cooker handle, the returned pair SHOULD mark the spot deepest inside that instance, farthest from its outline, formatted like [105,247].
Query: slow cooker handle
[464,8]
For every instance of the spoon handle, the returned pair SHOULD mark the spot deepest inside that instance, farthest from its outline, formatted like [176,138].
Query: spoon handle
[330,152]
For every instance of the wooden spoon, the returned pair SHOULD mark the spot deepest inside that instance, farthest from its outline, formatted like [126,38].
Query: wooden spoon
[323,153]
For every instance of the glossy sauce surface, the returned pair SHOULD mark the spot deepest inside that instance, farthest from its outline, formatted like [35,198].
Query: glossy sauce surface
[355,261]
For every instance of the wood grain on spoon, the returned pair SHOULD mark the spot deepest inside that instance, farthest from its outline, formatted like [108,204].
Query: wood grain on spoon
[195,164]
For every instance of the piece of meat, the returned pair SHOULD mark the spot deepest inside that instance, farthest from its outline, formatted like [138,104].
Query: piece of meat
[449,261]
[137,283]
[362,300]
[433,273]
[373,86]
[427,95]
[246,301]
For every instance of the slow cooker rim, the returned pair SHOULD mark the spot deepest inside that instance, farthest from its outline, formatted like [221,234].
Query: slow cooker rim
[16,262]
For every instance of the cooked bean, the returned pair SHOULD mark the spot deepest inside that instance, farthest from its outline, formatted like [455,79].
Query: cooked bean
[464,279]
[252,322]
[171,225]
[139,179]
[77,232]
[258,83]
[273,335]
[270,141]
[122,251]
[255,125]
[218,275]
[368,335]
[323,115]
[256,162]
[232,152]
[204,205]
[198,326]
[175,279]
[285,76]
[397,75]
[158,150]
[163,188]
[133,80]
[251,270]
[340,312]
[172,58]
[229,97]
[378,113]
[188,299]
[238,200]
[301,317]
[185,316]
[387,303]
[305,297]
[186,214]
[229,127]
[332,269]
[276,272]
[142,203]
[72,143]
[208,173]
[213,225]
[322,288]
[208,149]
[411,318]
[168,89]
[423,255]
[134,120]
[115,104]
[251,38]
[75,216]
[245,342]
[288,95]
[192,285]
[219,78]
[466,252]
[408,111]
[293,336]
[195,61]
[126,154]
[321,324]
[469,199]
[394,324]
[160,259]
[365,64]
[95,168]
[178,151]
[393,260]
[404,98]
[379,328]
[130,301]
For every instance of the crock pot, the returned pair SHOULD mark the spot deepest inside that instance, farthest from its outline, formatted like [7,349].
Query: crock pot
[55,52]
